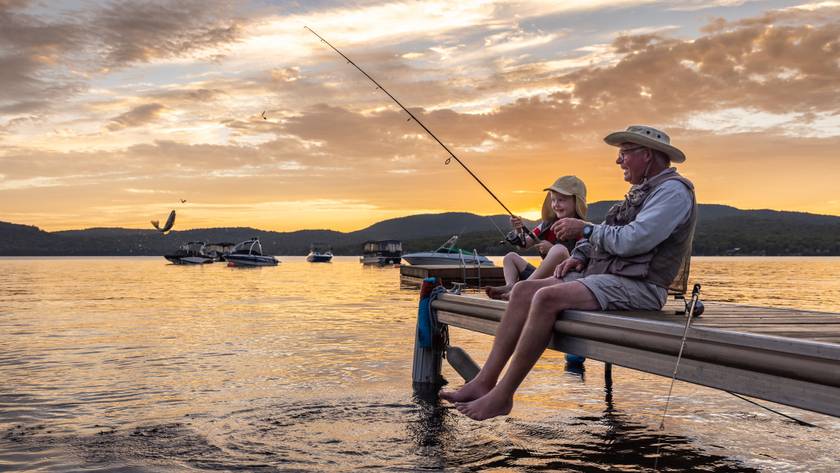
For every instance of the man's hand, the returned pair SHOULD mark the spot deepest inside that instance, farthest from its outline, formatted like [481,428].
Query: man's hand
[568,228]
[570,264]
[543,247]
[516,222]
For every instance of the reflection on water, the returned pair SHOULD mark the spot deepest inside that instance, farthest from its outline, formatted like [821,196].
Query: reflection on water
[131,364]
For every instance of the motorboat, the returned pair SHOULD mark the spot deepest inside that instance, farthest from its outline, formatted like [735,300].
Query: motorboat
[381,252]
[249,253]
[219,251]
[191,252]
[319,254]
[447,255]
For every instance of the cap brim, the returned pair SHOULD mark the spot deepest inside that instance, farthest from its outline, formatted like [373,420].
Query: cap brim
[564,192]
[619,137]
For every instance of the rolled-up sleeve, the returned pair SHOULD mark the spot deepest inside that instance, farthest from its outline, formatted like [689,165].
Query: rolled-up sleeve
[667,207]
[581,250]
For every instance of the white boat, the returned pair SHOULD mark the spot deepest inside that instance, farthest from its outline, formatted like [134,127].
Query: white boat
[249,253]
[191,252]
[381,252]
[319,254]
[447,255]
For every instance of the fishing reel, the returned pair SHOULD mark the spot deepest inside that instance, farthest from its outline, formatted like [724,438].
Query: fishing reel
[699,308]
[516,238]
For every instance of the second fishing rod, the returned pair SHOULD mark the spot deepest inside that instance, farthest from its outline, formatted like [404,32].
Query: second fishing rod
[412,117]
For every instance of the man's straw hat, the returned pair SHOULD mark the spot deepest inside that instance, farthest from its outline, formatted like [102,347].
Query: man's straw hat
[566,185]
[648,137]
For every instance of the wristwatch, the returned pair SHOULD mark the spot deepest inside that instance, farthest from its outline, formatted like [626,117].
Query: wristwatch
[587,230]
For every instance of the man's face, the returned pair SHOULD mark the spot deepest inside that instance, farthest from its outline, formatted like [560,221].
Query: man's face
[633,159]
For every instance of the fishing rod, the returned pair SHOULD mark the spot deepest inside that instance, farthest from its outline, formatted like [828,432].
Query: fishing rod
[695,295]
[412,117]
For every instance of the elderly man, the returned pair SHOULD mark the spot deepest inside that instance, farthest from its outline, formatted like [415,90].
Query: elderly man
[628,262]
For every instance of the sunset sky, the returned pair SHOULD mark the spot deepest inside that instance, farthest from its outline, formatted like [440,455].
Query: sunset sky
[112,112]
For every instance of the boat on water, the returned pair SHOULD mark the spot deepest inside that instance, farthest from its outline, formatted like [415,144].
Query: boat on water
[447,254]
[191,252]
[319,254]
[381,252]
[249,253]
[219,251]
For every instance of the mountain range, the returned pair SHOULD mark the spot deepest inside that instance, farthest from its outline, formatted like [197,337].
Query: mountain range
[721,230]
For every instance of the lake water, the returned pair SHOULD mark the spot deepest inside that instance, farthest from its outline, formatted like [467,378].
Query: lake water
[133,364]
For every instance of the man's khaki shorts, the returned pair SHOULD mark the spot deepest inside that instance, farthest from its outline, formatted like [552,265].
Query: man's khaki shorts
[620,293]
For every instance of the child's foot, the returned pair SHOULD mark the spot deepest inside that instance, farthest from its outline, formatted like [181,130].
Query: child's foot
[498,292]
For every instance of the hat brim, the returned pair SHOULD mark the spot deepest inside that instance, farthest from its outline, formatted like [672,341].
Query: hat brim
[548,213]
[619,137]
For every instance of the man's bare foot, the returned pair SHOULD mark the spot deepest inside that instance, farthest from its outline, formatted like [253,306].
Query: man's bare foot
[498,292]
[490,405]
[468,392]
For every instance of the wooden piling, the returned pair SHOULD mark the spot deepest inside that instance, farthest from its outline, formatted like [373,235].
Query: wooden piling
[428,345]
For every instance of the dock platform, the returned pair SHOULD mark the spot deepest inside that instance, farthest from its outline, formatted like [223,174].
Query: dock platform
[787,356]
[471,276]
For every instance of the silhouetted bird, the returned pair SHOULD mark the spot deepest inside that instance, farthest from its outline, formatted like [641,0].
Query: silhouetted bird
[168,225]
[263,115]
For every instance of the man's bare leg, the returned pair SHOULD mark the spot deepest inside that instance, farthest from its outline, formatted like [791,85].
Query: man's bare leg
[503,345]
[547,302]
[556,255]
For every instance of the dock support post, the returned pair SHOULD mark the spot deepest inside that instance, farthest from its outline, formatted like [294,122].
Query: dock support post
[608,375]
[428,345]
[462,362]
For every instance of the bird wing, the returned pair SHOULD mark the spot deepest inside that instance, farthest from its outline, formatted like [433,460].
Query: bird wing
[156,224]
[169,222]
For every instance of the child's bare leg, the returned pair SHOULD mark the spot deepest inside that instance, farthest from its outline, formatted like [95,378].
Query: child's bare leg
[556,255]
[512,266]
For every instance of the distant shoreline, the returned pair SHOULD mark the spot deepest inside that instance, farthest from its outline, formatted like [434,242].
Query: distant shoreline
[728,257]
[721,231]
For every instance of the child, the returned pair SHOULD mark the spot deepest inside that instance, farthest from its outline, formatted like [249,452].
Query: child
[565,198]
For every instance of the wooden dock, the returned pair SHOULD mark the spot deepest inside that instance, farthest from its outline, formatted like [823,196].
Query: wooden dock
[471,276]
[787,356]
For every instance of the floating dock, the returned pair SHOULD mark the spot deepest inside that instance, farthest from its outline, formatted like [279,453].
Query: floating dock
[787,356]
[470,276]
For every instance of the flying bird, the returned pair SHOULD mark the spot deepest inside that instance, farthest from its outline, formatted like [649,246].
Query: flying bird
[183,201]
[167,226]
[263,115]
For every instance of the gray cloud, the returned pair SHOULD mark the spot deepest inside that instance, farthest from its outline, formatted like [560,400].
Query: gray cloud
[137,116]
[31,52]
[140,31]
[45,60]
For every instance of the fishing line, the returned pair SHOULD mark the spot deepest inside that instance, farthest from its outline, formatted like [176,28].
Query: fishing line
[695,295]
[798,421]
[412,117]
